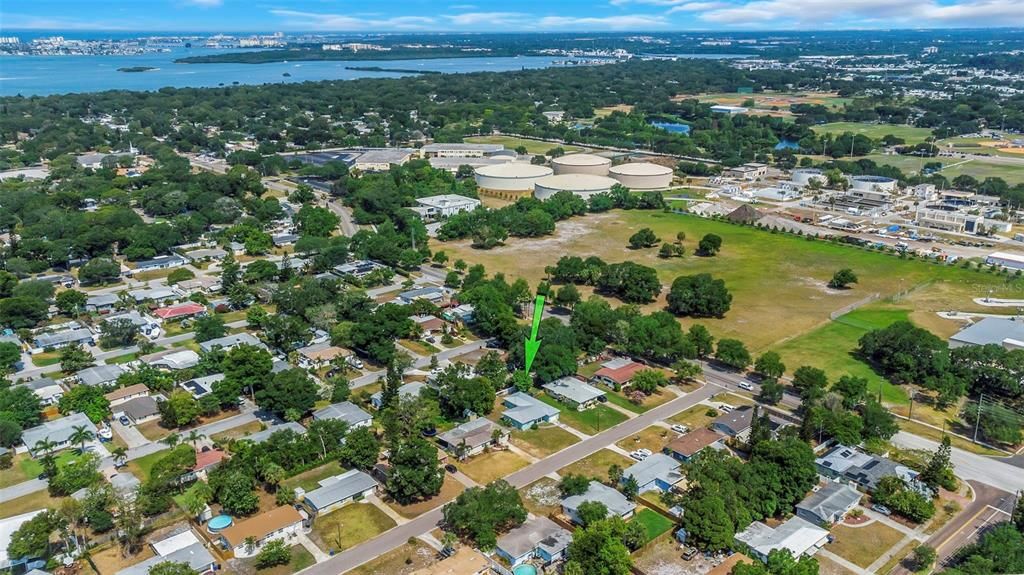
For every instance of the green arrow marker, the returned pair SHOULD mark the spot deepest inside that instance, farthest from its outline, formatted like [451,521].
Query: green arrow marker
[533,344]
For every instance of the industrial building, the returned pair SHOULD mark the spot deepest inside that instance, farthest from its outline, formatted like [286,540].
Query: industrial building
[583,185]
[459,150]
[872,184]
[804,176]
[721,109]
[444,205]
[514,177]
[960,222]
[1006,260]
[749,172]
[581,164]
[642,176]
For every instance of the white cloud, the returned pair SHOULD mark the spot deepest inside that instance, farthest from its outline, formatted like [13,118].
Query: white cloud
[338,22]
[697,7]
[625,22]
[867,13]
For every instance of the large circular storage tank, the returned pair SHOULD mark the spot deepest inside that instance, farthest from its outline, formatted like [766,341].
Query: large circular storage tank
[584,185]
[512,177]
[804,176]
[581,164]
[873,184]
[642,176]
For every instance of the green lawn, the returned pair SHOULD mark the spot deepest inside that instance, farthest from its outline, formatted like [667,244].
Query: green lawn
[349,526]
[511,143]
[596,464]
[543,441]
[590,421]
[142,466]
[309,480]
[911,134]
[863,545]
[22,469]
[830,348]
[655,523]
[46,358]
[30,502]
[651,401]
[487,467]
[979,168]
[300,560]
[694,417]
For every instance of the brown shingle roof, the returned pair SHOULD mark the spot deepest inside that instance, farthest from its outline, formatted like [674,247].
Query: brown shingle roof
[127,392]
[690,444]
[261,525]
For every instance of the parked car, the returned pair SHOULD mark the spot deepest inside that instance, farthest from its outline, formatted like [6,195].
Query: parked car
[689,553]
[645,452]
[881,509]
[450,468]
[725,408]
[124,420]
[355,362]
[637,455]
[745,385]
[680,428]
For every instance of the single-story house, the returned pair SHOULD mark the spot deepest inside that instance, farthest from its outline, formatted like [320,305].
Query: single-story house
[123,394]
[345,411]
[159,294]
[408,390]
[80,336]
[853,466]
[261,436]
[139,410]
[472,437]
[428,324]
[145,323]
[797,535]
[206,254]
[195,555]
[737,423]
[280,523]
[657,472]
[125,484]
[100,374]
[58,431]
[358,268]
[616,502]
[101,302]
[181,311]
[281,240]
[206,461]
[200,386]
[171,359]
[202,284]
[160,263]
[320,354]
[685,447]
[335,492]
[232,341]
[617,373]
[574,392]
[829,504]
[525,410]
[433,294]
[537,538]
[47,390]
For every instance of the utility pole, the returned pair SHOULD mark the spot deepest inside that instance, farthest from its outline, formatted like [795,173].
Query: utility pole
[977,420]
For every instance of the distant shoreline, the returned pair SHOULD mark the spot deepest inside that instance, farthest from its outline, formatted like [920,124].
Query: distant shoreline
[133,69]
[393,70]
[316,55]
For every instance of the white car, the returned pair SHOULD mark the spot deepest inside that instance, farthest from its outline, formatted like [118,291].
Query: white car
[680,428]
[725,408]
[637,455]
[355,362]
[645,452]
[745,385]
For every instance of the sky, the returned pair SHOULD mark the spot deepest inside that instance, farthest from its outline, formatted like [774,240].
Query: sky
[504,16]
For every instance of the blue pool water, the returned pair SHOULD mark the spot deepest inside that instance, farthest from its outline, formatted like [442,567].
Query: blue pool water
[675,128]
[787,145]
[218,523]
[525,569]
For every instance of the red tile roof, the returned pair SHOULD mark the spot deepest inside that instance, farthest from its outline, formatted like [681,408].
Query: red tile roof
[621,375]
[185,309]
[205,459]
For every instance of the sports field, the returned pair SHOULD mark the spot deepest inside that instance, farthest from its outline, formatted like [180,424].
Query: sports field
[778,282]
[774,100]
[1012,172]
[511,143]
[911,134]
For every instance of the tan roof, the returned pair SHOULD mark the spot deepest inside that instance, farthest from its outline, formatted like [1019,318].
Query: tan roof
[326,354]
[690,444]
[127,392]
[466,561]
[261,525]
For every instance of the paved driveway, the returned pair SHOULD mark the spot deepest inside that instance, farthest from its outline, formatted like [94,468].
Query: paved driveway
[132,437]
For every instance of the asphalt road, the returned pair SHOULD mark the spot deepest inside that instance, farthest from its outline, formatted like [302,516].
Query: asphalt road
[989,505]
[398,536]
[970,466]
[419,362]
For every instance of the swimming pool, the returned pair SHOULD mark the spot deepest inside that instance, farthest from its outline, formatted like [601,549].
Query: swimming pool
[219,523]
[524,569]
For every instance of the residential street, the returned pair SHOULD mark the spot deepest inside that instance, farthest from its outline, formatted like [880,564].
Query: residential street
[420,362]
[397,536]
[970,466]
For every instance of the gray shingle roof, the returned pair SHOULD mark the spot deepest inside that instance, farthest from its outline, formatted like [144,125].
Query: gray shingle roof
[100,374]
[537,532]
[339,488]
[833,499]
[616,502]
[195,555]
[475,433]
[261,436]
[345,411]
[229,341]
[57,431]
[656,466]
[527,409]
[140,407]
[573,389]
[63,337]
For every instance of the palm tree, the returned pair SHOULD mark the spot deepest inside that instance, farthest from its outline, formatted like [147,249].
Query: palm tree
[171,440]
[194,437]
[250,544]
[80,435]
[120,453]
[47,447]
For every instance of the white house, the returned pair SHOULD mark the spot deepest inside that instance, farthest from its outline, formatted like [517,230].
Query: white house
[280,523]
[445,205]
[337,491]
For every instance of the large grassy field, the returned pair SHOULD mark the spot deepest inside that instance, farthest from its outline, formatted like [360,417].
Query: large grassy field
[910,134]
[980,169]
[778,282]
[511,143]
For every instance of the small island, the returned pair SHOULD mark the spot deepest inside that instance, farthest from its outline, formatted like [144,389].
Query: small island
[392,70]
[136,69]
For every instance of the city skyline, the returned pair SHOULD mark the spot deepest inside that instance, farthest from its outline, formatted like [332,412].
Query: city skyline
[530,15]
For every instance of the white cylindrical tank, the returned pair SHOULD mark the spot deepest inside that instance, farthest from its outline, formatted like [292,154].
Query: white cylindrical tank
[873,184]
[804,176]
[511,177]
[642,176]
[583,185]
[581,164]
